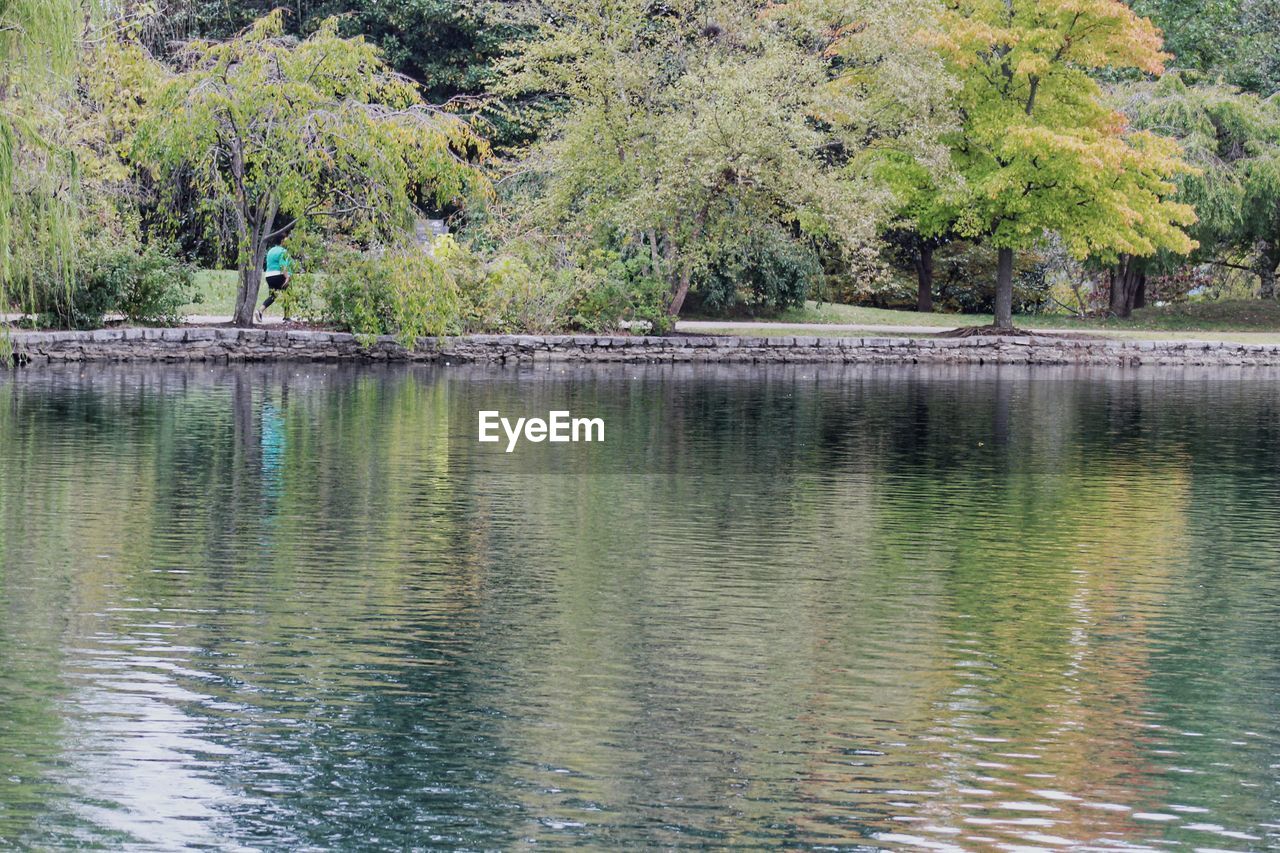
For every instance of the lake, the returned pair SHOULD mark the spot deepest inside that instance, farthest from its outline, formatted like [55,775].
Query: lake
[301,607]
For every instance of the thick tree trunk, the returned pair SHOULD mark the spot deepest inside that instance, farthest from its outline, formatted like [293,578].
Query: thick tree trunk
[1128,280]
[1004,290]
[1140,295]
[924,274]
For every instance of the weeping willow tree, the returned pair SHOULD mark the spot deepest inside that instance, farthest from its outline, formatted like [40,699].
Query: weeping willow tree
[1233,140]
[38,48]
[273,132]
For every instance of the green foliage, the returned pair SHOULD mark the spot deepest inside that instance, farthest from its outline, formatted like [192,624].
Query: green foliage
[506,293]
[38,45]
[963,282]
[1039,150]
[309,250]
[1233,139]
[1233,41]
[445,45]
[765,273]
[411,293]
[684,126]
[152,287]
[271,131]
[611,287]
[401,291]
[147,287]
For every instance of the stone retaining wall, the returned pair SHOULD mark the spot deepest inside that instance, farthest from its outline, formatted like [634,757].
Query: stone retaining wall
[234,345]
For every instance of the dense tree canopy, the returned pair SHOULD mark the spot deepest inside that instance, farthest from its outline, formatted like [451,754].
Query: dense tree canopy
[1038,150]
[691,126]
[274,131]
[695,154]
[1237,41]
[444,45]
[1233,139]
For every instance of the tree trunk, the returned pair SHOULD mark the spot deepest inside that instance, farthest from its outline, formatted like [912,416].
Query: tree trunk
[1004,290]
[247,298]
[1140,295]
[260,228]
[680,286]
[680,292]
[1128,279]
[924,274]
[1268,260]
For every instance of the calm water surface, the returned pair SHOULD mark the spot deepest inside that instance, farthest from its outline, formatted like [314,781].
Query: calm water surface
[301,608]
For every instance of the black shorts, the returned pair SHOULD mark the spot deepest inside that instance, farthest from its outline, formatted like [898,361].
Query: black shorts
[276,280]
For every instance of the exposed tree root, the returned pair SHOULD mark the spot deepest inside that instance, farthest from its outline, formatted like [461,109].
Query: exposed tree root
[971,331]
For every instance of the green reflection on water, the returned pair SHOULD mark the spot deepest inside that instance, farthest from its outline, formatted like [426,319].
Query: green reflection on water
[284,607]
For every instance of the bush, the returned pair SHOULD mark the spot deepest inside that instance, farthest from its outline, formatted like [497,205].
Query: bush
[150,287]
[81,302]
[411,293]
[615,289]
[507,295]
[766,273]
[401,291]
[153,286]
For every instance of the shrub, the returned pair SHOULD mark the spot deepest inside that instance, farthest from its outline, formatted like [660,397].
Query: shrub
[401,291]
[411,293]
[766,273]
[153,286]
[81,304]
[614,289]
[149,287]
[507,295]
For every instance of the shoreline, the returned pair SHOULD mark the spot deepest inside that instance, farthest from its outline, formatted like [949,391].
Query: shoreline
[224,344]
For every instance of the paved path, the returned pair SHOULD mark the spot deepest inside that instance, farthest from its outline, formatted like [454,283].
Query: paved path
[816,328]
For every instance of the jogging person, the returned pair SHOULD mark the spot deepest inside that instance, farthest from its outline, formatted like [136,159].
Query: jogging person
[279,270]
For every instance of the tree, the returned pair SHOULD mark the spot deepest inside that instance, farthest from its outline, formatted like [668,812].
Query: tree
[38,45]
[273,131]
[1037,149]
[1231,41]
[444,45]
[1233,140]
[686,124]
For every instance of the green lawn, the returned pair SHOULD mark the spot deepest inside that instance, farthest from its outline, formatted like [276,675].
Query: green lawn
[1253,315]
[217,289]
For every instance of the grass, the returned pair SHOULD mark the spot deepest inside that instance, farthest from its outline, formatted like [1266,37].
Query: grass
[1247,315]
[862,316]
[217,289]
